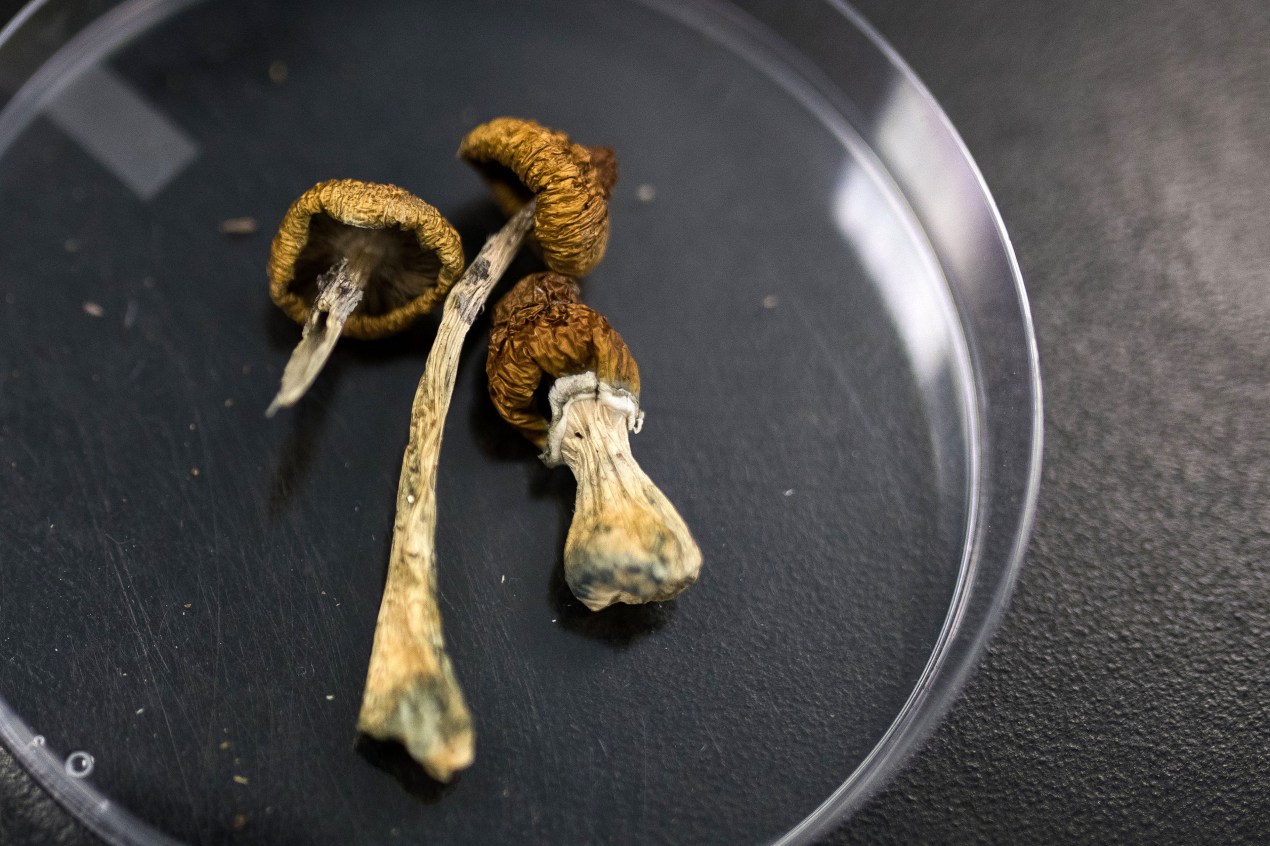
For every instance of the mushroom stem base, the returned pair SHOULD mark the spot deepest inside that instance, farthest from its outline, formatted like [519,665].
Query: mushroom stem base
[411,694]
[340,290]
[627,543]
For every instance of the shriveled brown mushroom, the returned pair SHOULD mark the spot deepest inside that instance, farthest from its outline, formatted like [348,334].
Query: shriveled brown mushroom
[357,258]
[411,694]
[523,161]
[627,543]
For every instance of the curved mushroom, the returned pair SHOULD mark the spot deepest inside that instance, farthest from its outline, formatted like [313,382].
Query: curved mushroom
[362,259]
[523,160]
[627,543]
[410,693]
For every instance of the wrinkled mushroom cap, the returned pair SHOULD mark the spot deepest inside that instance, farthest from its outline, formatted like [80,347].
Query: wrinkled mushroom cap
[538,289]
[522,159]
[539,329]
[414,252]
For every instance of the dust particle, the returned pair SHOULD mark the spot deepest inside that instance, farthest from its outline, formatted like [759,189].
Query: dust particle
[240,820]
[224,744]
[278,72]
[71,245]
[330,697]
[239,226]
[240,779]
[189,605]
[92,309]
[770,301]
[645,193]
[194,471]
[229,403]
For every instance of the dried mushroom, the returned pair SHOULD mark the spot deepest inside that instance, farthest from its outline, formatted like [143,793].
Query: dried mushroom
[524,161]
[627,543]
[356,258]
[411,694]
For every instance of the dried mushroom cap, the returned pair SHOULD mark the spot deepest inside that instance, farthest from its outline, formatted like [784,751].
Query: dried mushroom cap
[538,289]
[541,329]
[521,160]
[412,254]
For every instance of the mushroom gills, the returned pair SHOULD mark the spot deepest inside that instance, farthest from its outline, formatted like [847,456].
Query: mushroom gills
[627,542]
[398,267]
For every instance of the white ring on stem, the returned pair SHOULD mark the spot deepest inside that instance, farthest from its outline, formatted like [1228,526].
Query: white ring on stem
[586,386]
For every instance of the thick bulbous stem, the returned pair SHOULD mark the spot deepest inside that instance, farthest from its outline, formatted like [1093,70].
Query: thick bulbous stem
[627,543]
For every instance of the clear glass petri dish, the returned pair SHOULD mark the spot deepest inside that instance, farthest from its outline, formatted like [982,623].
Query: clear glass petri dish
[840,379]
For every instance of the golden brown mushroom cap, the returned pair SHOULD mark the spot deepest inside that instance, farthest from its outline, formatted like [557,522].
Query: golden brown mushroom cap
[538,289]
[541,328]
[522,159]
[416,254]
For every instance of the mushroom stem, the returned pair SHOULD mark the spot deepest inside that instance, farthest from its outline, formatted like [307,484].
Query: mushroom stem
[627,543]
[340,291]
[411,694]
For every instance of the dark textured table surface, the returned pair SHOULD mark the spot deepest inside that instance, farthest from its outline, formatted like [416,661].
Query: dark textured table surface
[1124,697]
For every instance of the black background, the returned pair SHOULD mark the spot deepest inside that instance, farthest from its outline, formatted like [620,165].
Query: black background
[1124,698]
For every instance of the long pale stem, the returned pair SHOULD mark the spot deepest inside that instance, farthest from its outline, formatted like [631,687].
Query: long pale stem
[411,694]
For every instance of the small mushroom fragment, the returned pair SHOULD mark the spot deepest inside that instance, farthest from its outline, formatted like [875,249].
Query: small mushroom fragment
[627,543]
[411,694]
[522,161]
[361,259]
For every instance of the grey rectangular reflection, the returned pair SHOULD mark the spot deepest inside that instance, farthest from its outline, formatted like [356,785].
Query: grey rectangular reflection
[121,130]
